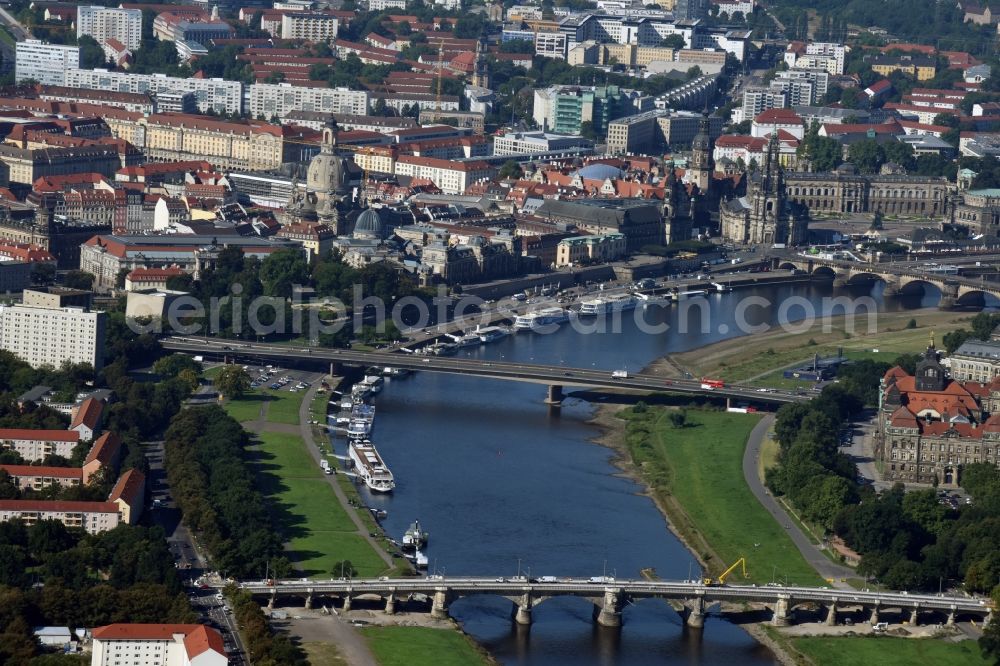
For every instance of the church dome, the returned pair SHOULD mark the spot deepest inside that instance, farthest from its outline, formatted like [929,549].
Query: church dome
[369,225]
[327,173]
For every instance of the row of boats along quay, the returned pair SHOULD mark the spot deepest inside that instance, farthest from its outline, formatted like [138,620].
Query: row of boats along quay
[355,420]
[549,311]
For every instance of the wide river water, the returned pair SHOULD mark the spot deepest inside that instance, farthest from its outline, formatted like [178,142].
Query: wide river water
[503,482]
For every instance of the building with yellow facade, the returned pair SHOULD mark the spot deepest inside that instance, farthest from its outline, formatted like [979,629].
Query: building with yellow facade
[920,67]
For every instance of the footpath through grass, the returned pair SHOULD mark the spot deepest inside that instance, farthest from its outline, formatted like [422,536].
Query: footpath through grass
[282,406]
[317,529]
[696,471]
[888,651]
[422,646]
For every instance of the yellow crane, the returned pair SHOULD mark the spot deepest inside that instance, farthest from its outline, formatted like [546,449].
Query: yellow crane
[721,580]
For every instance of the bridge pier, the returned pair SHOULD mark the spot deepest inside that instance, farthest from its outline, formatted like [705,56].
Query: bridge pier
[915,616]
[555,395]
[696,612]
[874,618]
[610,613]
[270,599]
[309,600]
[781,616]
[951,618]
[831,615]
[892,288]
[390,603]
[522,612]
[347,603]
[946,303]
[439,606]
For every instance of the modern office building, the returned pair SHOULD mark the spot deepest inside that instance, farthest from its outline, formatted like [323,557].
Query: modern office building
[45,63]
[520,143]
[564,109]
[104,23]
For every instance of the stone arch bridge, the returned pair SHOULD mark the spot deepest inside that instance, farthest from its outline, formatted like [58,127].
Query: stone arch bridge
[609,596]
[955,290]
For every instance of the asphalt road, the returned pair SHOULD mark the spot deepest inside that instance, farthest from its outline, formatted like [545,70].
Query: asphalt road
[810,551]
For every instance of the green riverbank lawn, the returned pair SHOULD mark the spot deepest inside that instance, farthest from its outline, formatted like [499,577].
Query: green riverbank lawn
[282,406]
[888,651]
[317,529]
[696,471]
[422,646]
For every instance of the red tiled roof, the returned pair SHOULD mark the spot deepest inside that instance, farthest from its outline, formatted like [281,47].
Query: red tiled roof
[128,488]
[41,435]
[88,414]
[786,116]
[43,470]
[58,505]
[104,449]
[202,640]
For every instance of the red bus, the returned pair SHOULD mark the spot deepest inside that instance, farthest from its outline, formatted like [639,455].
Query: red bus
[712,383]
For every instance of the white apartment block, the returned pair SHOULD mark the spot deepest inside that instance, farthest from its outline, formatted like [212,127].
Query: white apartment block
[51,336]
[211,94]
[158,645]
[379,5]
[758,100]
[730,7]
[309,27]
[44,62]
[92,517]
[34,445]
[103,23]
[829,50]
[278,99]
[818,79]
[452,177]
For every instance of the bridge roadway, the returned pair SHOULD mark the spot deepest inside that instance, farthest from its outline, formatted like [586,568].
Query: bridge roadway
[555,377]
[610,596]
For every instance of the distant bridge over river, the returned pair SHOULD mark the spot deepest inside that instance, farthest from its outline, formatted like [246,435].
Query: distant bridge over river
[898,278]
[555,376]
[610,596]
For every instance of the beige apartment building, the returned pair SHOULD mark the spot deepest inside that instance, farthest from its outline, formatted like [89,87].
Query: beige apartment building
[93,517]
[309,27]
[34,445]
[452,177]
[168,137]
[37,477]
[25,165]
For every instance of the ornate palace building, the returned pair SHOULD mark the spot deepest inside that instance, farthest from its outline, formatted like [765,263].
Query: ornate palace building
[847,191]
[930,426]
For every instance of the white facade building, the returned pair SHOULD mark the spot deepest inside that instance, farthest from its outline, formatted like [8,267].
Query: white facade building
[519,143]
[52,336]
[379,5]
[452,177]
[160,644]
[44,62]
[278,99]
[34,445]
[103,23]
[309,27]
[92,517]
[211,94]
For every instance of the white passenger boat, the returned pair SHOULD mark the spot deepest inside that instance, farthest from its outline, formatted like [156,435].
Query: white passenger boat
[358,429]
[465,339]
[373,383]
[535,321]
[369,467]
[492,333]
[606,304]
[415,537]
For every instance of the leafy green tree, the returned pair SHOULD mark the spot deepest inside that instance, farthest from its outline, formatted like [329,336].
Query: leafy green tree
[232,381]
[675,42]
[678,419]
[868,155]
[283,269]
[343,569]
[173,365]
[511,169]
[78,280]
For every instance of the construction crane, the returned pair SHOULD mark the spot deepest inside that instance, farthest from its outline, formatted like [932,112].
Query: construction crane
[721,580]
